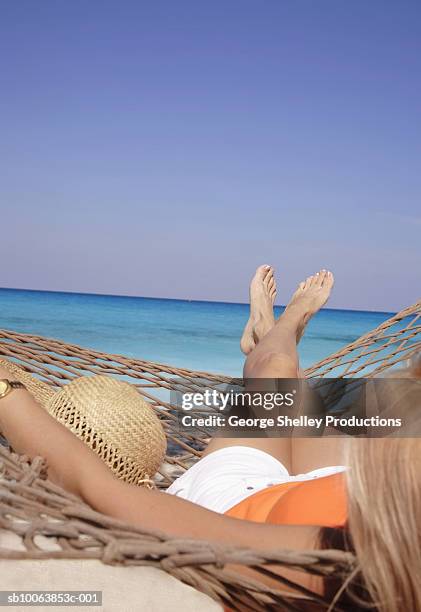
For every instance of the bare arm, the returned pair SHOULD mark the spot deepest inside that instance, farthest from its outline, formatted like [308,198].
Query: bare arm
[31,430]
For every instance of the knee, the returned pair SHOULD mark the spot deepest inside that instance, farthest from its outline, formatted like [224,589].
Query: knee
[271,365]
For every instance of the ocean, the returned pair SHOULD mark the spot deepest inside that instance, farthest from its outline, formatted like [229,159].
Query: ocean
[191,334]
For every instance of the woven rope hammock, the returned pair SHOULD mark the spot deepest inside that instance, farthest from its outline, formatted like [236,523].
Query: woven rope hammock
[32,506]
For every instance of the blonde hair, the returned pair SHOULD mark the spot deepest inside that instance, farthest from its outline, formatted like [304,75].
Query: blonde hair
[384,490]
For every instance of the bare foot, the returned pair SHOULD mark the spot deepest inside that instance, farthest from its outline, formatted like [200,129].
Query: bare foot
[262,298]
[310,296]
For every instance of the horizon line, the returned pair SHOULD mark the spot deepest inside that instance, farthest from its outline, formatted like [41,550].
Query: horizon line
[147,297]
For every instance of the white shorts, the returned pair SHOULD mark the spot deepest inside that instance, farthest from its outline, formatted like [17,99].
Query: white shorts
[225,477]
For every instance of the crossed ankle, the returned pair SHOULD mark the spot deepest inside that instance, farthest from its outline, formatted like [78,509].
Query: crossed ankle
[294,317]
[262,326]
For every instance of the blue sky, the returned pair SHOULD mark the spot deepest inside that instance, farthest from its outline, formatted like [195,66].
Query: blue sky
[167,148]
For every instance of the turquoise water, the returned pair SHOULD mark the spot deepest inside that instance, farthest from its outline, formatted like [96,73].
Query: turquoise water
[198,335]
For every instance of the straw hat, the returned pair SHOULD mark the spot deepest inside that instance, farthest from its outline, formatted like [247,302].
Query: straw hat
[109,415]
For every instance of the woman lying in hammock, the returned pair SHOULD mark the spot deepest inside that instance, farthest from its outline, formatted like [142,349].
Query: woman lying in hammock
[263,493]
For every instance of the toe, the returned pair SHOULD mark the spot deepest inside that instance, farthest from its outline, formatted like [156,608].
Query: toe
[262,271]
[268,278]
[321,277]
[316,281]
[310,281]
[328,279]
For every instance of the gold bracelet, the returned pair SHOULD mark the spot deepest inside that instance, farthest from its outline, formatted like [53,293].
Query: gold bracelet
[6,386]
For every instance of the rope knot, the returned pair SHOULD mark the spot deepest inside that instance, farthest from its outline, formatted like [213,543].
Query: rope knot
[32,470]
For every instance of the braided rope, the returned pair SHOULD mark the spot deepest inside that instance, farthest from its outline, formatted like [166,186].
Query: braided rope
[31,505]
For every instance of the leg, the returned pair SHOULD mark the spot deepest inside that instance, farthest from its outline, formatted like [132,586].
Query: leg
[276,354]
[262,296]
[276,357]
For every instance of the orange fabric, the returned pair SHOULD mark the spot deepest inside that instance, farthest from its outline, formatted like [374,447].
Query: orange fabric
[321,502]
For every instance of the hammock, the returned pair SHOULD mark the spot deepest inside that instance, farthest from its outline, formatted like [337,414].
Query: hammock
[32,506]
